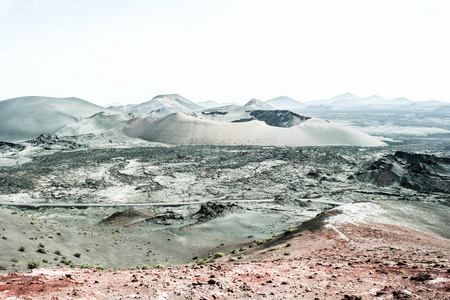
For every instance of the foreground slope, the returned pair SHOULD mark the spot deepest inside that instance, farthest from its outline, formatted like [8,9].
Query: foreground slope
[28,117]
[346,261]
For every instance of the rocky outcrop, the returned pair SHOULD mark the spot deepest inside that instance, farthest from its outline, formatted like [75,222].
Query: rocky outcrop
[49,141]
[212,210]
[125,217]
[167,218]
[420,172]
[5,146]
[279,118]
[276,118]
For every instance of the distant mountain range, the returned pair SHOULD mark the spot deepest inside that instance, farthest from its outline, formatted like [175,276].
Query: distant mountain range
[211,104]
[173,119]
[167,104]
[349,102]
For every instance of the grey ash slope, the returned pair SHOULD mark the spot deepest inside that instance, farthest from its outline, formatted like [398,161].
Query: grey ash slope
[248,127]
[258,104]
[28,117]
[162,105]
[254,110]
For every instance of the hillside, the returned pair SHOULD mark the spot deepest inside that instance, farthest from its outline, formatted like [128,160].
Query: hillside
[257,104]
[188,129]
[346,261]
[28,117]
[255,123]
[162,104]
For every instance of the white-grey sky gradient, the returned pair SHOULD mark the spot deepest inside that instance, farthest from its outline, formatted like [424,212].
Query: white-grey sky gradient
[124,51]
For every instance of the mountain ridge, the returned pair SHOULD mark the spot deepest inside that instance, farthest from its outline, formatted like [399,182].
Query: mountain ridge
[162,104]
[284,102]
[173,120]
[28,117]
[24,118]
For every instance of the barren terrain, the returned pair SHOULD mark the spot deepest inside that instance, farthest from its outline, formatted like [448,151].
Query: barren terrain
[375,261]
[333,222]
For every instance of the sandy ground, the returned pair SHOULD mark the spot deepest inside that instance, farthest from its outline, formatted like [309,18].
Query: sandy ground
[371,261]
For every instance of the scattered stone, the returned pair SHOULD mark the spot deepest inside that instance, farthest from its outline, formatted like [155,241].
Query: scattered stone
[352,297]
[405,294]
[422,276]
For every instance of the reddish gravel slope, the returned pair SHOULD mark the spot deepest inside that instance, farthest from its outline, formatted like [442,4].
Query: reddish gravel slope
[376,262]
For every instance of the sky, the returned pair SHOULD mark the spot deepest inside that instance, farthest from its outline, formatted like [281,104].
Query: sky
[107,51]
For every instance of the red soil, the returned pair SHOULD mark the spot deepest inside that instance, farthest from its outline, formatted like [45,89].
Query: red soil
[376,262]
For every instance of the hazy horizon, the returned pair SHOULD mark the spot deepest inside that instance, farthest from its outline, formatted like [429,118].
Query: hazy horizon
[240,102]
[107,51]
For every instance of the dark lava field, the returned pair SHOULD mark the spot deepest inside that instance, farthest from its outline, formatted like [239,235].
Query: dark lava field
[300,182]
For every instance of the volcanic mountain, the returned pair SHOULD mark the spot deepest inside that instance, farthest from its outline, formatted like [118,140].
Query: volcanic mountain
[162,105]
[27,117]
[172,120]
[284,102]
[258,129]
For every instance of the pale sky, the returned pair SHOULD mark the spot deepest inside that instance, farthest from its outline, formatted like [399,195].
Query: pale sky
[126,51]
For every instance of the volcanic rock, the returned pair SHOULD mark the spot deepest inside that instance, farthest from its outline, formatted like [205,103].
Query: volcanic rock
[212,210]
[420,172]
[125,217]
